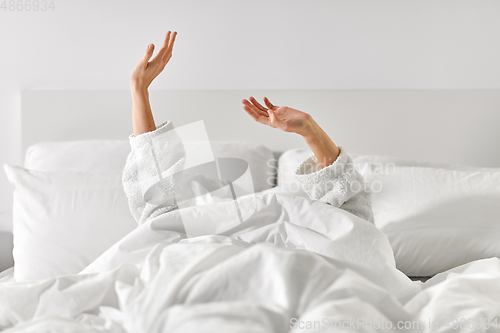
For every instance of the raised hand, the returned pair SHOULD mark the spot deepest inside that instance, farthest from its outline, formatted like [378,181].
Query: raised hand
[143,74]
[295,121]
[146,71]
[281,117]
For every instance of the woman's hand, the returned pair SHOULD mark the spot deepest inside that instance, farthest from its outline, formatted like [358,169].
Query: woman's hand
[281,117]
[146,71]
[291,120]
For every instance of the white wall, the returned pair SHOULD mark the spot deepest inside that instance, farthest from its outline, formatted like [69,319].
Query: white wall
[241,44]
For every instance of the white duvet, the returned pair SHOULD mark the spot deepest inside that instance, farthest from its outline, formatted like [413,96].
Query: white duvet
[296,265]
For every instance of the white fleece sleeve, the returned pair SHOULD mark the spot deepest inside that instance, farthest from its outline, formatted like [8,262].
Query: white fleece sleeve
[151,170]
[338,184]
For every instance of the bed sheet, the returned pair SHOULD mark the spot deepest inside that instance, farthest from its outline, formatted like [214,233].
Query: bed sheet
[296,265]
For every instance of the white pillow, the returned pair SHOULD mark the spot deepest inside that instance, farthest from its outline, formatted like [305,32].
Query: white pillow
[64,220]
[84,155]
[437,219]
[106,155]
[290,159]
[436,216]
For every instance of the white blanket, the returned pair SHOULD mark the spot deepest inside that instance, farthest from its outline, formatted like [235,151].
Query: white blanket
[296,264]
[291,263]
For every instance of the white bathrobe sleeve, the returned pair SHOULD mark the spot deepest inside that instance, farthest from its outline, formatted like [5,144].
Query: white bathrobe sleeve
[151,171]
[338,184]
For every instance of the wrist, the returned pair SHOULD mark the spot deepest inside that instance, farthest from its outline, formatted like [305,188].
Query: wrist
[312,132]
[137,88]
[140,96]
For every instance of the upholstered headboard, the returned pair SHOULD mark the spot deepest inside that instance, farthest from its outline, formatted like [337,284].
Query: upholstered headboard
[458,127]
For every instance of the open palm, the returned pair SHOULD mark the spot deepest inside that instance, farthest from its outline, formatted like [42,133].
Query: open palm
[281,117]
[146,71]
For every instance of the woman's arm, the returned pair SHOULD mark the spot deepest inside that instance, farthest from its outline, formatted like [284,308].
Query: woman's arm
[143,74]
[157,155]
[295,121]
[322,146]
[328,176]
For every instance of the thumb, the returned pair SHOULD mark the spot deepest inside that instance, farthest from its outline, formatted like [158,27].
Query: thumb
[149,53]
[272,116]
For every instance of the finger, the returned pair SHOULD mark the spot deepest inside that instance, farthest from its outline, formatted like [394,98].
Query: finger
[254,108]
[257,116]
[272,117]
[252,114]
[172,41]
[148,54]
[268,103]
[257,104]
[166,41]
[164,47]
[168,53]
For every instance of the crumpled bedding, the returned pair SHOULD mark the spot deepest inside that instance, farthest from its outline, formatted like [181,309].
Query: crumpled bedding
[296,265]
[291,264]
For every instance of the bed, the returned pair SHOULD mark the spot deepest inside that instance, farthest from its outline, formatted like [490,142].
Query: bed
[82,264]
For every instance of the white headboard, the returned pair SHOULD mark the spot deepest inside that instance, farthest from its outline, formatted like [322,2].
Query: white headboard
[443,126]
